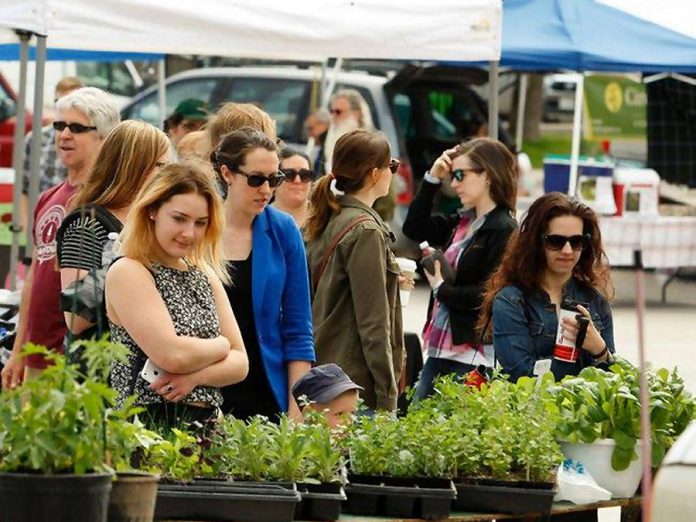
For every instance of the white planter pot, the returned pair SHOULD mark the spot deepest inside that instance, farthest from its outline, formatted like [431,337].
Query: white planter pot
[596,458]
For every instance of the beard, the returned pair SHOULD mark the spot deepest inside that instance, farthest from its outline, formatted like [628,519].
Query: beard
[336,130]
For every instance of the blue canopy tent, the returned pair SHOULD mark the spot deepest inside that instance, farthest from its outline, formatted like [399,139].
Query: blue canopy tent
[10,52]
[586,35]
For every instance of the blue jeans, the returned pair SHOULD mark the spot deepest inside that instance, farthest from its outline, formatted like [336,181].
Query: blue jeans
[435,367]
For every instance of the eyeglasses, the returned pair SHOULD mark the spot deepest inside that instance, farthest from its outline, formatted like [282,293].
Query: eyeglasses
[394,165]
[255,180]
[460,174]
[75,128]
[557,242]
[304,174]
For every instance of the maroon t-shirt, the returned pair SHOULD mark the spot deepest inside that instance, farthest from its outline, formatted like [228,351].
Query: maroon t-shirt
[45,322]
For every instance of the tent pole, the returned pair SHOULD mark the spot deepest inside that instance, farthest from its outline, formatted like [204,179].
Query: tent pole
[18,156]
[36,139]
[493,99]
[333,78]
[577,127]
[161,92]
[646,450]
[521,107]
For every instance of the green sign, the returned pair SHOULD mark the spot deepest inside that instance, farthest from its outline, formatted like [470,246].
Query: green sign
[615,107]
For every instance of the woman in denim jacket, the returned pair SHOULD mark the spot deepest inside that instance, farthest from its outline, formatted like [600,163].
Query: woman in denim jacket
[557,255]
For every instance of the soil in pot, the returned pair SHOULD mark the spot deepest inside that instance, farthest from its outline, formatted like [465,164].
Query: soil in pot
[58,498]
[133,497]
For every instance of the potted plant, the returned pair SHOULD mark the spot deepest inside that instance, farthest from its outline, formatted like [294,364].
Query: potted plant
[599,421]
[53,446]
[323,478]
[401,466]
[504,452]
[200,466]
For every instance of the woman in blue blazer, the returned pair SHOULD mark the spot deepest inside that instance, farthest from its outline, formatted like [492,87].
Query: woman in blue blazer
[269,292]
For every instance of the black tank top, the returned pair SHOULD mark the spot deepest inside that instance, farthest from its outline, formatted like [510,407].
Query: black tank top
[254,395]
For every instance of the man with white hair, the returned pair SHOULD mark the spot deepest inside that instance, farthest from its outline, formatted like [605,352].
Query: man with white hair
[85,117]
[349,111]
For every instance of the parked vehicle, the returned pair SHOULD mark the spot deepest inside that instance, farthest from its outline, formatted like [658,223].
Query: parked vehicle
[559,96]
[422,110]
[8,119]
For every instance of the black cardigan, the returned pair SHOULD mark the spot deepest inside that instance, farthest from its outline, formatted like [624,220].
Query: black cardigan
[476,264]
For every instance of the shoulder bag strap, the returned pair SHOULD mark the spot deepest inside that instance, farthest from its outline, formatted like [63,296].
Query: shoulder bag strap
[334,244]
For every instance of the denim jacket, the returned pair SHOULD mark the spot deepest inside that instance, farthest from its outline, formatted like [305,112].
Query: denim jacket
[525,325]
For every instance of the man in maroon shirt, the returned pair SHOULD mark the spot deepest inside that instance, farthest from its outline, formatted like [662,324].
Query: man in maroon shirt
[85,117]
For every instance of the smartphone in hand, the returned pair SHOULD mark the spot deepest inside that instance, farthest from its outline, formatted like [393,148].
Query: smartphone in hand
[151,372]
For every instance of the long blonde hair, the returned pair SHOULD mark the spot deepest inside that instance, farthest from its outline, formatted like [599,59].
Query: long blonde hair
[138,239]
[129,153]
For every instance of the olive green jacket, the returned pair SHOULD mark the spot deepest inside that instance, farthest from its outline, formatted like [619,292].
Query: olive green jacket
[356,309]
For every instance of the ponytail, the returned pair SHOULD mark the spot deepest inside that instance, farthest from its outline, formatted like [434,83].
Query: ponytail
[322,205]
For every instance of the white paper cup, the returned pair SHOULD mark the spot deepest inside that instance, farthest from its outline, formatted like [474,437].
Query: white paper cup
[408,268]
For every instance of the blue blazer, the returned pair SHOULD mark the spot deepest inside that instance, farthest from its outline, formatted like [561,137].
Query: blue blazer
[280,294]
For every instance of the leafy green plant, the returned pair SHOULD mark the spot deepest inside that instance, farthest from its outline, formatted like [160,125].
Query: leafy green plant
[54,423]
[598,404]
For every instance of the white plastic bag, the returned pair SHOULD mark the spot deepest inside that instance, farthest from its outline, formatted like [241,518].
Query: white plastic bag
[576,485]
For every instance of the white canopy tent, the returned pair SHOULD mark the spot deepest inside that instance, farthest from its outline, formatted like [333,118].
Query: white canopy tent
[312,30]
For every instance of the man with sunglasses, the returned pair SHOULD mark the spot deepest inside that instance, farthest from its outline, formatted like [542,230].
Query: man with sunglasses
[85,117]
[51,169]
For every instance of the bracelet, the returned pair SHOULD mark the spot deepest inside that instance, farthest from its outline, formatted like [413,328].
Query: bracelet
[600,354]
[431,179]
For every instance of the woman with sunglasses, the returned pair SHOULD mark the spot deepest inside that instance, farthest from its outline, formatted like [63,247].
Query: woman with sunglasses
[292,196]
[557,256]
[473,240]
[267,264]
[355,277]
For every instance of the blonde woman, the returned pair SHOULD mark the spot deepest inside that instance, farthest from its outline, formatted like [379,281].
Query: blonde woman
[131,152]
[165,299]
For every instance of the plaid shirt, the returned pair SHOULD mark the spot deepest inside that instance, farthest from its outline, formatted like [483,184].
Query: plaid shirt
[51,170]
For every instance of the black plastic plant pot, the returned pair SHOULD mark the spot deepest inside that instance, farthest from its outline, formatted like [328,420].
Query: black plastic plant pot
[58,498]
[394,501]
[485,498]
[402,482]
[225,502]
[320,501]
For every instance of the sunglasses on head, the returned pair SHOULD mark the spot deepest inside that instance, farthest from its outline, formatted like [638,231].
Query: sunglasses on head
[75,128]
[255,180]
[460,174]
[394,165]
[304,174]
[557,242]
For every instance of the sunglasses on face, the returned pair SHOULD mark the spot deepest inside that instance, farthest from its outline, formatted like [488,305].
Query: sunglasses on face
[394,165]
[557,242]
[304,174]
[460,174]
[75,128]
[255,180]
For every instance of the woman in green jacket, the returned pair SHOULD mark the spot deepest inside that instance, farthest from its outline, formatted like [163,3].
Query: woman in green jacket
[356,309]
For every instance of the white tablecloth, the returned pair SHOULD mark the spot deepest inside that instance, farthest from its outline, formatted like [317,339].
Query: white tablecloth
[664,241]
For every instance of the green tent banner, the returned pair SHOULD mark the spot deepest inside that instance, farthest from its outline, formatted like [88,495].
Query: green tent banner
[615,107]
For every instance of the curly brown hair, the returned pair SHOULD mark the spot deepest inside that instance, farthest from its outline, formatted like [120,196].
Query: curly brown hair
[524,260]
